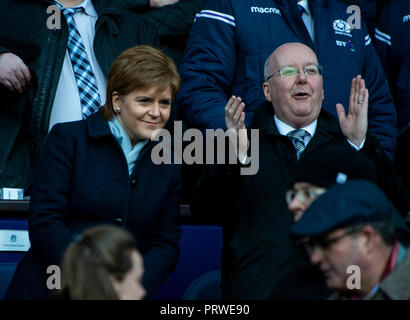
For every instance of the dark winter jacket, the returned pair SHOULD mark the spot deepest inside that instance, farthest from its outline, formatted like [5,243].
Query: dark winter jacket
[173,23]
[83,180]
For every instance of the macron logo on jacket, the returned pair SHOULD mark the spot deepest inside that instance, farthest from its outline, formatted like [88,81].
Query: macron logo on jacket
[265,10]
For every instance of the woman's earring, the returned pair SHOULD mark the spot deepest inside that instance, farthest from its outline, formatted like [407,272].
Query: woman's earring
[117,110]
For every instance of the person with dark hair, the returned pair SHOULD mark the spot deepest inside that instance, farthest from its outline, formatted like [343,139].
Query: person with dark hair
[100,170]
[359,241]
[102,263]
[332,165]
[328,166]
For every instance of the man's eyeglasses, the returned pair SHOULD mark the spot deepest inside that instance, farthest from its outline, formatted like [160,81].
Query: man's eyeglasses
[318,245]
[289,71]
[305,195]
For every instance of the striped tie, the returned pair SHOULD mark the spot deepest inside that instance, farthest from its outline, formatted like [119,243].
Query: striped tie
[84,75]
[298,139]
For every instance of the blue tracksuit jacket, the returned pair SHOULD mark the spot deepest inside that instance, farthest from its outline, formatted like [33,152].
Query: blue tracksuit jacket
[393,46]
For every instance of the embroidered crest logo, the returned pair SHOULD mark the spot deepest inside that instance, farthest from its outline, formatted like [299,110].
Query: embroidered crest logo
[341,27]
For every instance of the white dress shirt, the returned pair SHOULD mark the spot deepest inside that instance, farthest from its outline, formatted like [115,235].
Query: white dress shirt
[67,105]
[284,129]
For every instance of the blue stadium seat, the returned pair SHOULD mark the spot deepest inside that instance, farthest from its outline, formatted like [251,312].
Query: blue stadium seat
[205,287]
[201,248]
[6,273]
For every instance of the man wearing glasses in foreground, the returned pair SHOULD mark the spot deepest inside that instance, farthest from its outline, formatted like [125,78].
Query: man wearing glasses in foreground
[359,241]
[292,127]
[328,166]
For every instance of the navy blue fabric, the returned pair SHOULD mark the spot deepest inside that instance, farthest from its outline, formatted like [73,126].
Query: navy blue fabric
[346,204]
[301,10]
[393,46]
[83,180]
[370,10]
[324,167]
[230,41]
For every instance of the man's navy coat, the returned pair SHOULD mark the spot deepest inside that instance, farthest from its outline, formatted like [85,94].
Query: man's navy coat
[83,180]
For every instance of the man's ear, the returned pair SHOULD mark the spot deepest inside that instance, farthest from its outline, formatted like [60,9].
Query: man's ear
[266,91]
[369,239]
[323,94]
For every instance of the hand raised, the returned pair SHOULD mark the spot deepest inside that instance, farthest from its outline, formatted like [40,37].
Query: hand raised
[235,120]
[354,125]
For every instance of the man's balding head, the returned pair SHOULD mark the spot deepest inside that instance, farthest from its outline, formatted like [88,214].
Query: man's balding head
[296,99]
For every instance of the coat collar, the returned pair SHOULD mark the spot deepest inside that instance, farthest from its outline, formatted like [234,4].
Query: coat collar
[101,6]
[327,128]
[396,284]
[97,126]
[106,10]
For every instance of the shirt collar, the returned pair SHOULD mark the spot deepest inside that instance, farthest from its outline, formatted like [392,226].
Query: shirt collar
[305,5]
[88,7]
[284,128]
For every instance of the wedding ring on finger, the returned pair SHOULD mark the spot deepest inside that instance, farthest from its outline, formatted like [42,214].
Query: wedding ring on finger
[360,102]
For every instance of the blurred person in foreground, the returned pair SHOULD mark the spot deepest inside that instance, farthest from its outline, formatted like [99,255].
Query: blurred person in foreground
[102,263]
[100,170]
[333,165]
[313,177]
[360,242]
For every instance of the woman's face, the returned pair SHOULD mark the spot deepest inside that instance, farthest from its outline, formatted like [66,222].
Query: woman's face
[130,288]
[142,111]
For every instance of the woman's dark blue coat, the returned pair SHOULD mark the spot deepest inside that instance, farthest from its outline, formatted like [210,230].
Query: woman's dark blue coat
[82,180]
